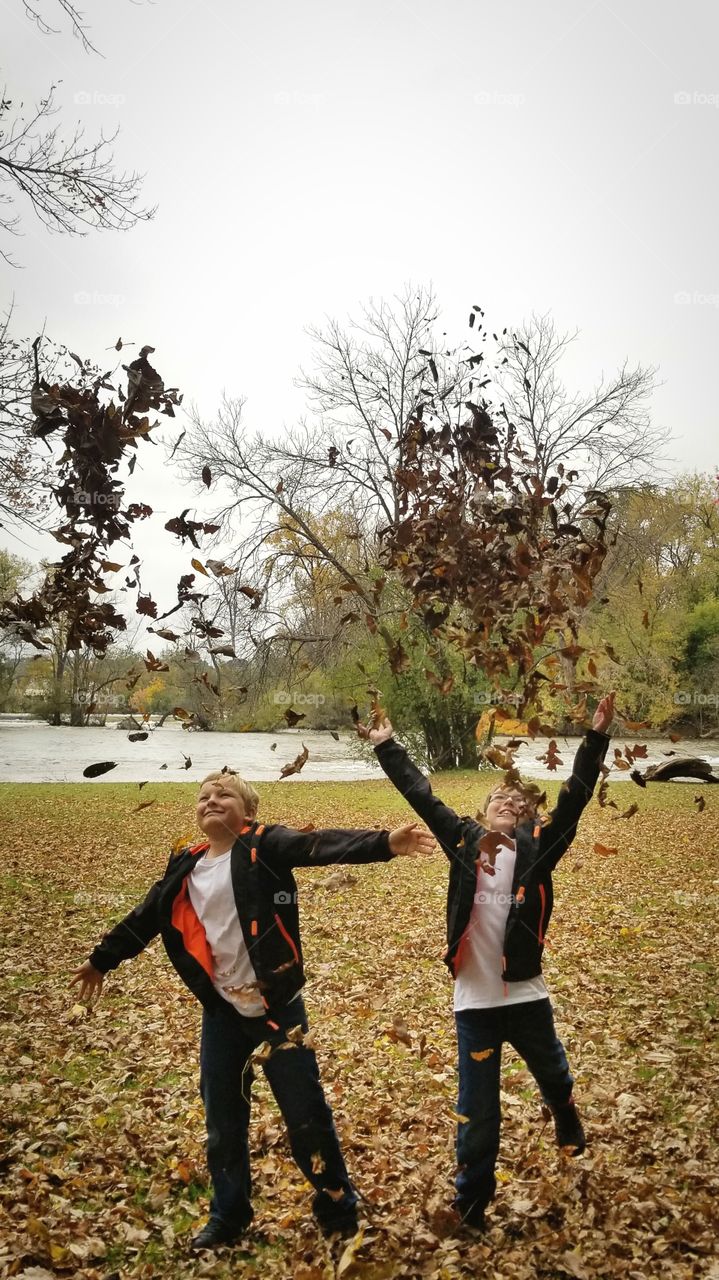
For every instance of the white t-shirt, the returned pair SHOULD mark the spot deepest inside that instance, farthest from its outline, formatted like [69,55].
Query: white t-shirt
[479,982]
[210,889]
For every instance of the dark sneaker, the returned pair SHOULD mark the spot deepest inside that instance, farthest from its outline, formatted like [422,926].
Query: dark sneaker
[215,1233]
[470,1217]
[344,1227]
[567,1127]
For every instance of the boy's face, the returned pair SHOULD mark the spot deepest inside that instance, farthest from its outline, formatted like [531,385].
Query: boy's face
[503,810]
[220,811]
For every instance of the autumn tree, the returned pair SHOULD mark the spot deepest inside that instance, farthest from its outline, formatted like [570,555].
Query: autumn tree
[655,601]
[357,452]
[14,574]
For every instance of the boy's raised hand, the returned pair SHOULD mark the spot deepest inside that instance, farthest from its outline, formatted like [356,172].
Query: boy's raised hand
[604,713]
[90,980]
[410,839]
[375,736]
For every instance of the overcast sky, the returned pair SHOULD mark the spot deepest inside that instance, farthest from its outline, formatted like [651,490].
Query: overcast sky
[551,155]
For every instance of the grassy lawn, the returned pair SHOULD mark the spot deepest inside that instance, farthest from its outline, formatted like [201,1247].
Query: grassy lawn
[102,1143]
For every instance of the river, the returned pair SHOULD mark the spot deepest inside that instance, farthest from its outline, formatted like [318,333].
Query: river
[33,751]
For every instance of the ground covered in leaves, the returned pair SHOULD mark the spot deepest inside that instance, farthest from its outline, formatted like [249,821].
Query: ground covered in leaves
[102,1144]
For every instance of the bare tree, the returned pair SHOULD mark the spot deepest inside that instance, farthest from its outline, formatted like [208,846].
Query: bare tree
[606,434]
[71,184]
[23,494]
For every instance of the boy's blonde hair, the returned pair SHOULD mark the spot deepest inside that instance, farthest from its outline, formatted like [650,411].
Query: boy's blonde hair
[232,780]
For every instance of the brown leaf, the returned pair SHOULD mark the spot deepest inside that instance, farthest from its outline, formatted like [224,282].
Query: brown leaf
[297,764]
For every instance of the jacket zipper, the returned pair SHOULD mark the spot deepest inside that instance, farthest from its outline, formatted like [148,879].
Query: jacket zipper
[288,938]
[543,897]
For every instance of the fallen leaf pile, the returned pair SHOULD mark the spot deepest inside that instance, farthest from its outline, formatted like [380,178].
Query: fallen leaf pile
[102,1147]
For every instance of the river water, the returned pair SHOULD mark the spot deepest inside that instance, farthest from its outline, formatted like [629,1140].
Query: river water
[33,751]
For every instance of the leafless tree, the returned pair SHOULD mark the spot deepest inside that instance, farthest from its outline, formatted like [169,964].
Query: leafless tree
[70,183]
[606,434]
[22,495]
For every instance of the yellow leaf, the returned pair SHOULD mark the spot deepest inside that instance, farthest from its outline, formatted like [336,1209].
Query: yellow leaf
[480,1057]
[196,564]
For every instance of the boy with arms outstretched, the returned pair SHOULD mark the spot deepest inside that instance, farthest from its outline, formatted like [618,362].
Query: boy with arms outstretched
[498,909]
[226,910]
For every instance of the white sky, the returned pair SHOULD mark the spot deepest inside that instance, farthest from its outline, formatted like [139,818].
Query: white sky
[308,155]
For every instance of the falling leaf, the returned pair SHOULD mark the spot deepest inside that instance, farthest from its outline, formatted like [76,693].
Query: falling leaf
[628,813]
[335,735]
[297,764]
[199,567]
[293,717]
[206,476]
[700,803]
[604,850]
[94,770]
[482,1054]
[138,737]
[551,756]
[146,804]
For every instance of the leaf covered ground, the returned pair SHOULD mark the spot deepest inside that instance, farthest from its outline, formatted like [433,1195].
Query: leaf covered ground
[102,1144]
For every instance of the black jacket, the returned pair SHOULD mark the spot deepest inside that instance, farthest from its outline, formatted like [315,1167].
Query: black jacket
[265,894]
[538,852]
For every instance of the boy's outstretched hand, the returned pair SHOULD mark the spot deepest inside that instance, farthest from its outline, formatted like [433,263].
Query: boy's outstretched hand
[375,736]
[410,839]
[91,981]
[604,713]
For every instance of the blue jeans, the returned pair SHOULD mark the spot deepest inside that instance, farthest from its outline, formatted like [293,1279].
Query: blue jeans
[529,1028]
[228,1040]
